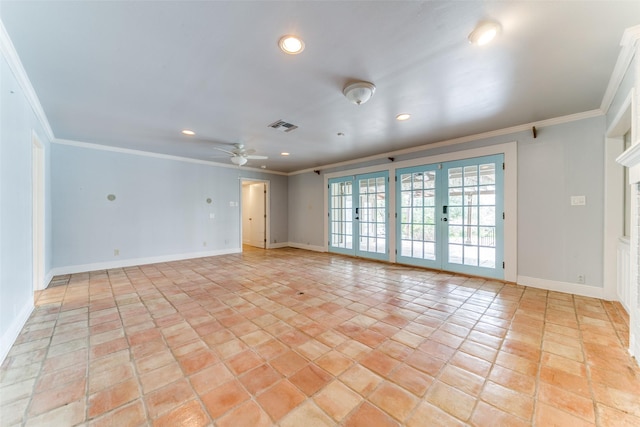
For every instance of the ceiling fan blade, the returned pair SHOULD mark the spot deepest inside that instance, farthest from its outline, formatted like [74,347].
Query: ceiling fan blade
[253,157]
[224,151]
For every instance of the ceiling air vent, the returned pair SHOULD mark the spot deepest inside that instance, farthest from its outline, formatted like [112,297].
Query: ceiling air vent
[283,126]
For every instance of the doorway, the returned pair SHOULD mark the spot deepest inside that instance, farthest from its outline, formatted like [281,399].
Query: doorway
[255,229]
[358,215]
[450,216]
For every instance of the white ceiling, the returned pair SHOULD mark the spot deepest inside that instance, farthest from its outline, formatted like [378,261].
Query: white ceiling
[133,74]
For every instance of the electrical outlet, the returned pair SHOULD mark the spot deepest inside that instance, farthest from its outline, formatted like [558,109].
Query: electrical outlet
[580,278]
[116,252]
[204,243]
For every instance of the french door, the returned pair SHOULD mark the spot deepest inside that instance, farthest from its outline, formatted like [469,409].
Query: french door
[358,215]
[450,216]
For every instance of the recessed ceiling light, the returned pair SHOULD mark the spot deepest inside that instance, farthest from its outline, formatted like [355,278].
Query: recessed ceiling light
[402,117]
[291,44]
[188,132]
[284,153]
[484,32]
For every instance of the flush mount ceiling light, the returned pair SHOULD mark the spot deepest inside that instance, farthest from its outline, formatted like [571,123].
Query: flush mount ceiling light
[484,32]
[284,153]
[359,92]
[188,132]
[402,117]
[291,44]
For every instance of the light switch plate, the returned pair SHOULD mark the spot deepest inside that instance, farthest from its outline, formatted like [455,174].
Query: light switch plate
[578,200]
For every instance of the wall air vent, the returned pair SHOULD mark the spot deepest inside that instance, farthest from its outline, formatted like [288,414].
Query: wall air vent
[283,126]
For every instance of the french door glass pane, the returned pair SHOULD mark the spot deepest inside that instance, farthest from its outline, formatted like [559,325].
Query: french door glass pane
[372,214]
[341,214]
[472,199]
[417,214]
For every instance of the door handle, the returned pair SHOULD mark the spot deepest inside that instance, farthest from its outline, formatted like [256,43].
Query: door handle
[444,219]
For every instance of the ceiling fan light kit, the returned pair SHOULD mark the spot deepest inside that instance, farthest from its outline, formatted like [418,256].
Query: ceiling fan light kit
[359,92]
[238,160]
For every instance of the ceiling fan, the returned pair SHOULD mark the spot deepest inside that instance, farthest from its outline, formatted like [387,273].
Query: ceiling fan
[240,156]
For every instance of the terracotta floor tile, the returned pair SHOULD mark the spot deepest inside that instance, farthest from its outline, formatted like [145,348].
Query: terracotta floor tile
[312,349]
[361,379]
[160,377]
[394,400]
[244,362]
[573,383]
[368,415]
[487,415]
[508,400]
[197,361]
[621,400]
[259,379]
[56,397]
[309,415]
[108,378]
[331,338]
[132,414]
[187,414]
[288,363]
[113,397]
[337,400]
[379,362]
[310,379]
[223,398]
[280,399]
[55,379]
[451,400]
[426,363]
[462,380]
[69,414]
[569,402]
[168,397]
[248,414]
[411,379]
[334,362]
[547,415]
[427,415]
[353,349]
[612,417]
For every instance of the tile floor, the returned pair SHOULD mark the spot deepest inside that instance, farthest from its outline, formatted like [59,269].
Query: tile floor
[293,338]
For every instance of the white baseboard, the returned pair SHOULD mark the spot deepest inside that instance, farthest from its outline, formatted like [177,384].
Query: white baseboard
[47,280]
[306,247]
[9,337]
[566,287]
[82,268]
[278,245]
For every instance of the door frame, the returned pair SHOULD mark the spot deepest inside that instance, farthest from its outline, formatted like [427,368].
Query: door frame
[37,206]
[510,151]
[267,209]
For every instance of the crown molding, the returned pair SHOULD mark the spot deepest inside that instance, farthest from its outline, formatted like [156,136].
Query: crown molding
[628,43]
[470,138]
[9,53]
[92,146]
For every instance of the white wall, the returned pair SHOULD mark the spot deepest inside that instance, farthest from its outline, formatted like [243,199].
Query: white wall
[306,210]
[160,211]
[556,242]
[18,122]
